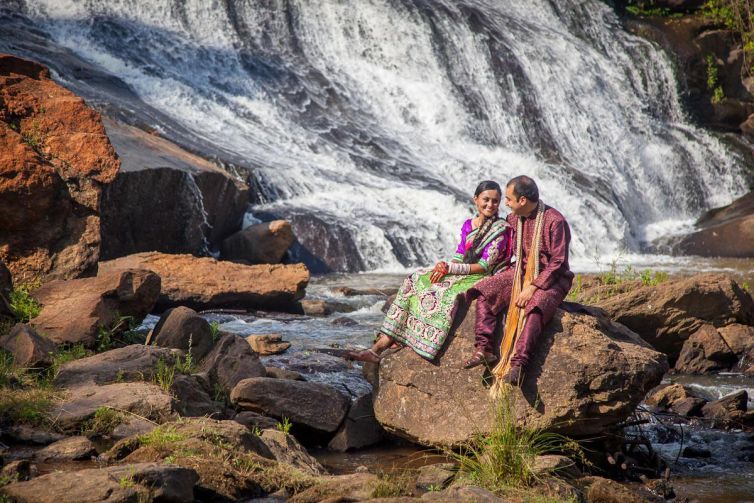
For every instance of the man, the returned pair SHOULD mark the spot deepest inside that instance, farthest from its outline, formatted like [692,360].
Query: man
[540,298]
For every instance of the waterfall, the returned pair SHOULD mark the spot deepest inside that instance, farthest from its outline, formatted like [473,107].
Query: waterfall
[379,117]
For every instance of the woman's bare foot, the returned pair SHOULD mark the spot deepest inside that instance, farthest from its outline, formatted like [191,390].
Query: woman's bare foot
[368,355]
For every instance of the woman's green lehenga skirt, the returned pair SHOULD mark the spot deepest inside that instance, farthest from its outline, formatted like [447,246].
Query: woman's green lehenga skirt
[422,313]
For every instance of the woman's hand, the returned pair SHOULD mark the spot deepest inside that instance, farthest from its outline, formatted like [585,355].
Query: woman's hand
[440,270]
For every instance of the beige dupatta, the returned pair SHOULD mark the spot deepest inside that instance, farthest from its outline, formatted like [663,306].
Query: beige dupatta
[516,318]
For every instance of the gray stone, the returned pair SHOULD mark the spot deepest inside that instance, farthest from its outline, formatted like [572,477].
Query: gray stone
[278,373]
[68,449]
[180,328]
[133,426]
[435,477]
[314,307]
[265,243]
[462,492]
[229,362]
[705,351]
[360,428]
[689,407]
[287,450]
[25,434]
[131,363]
[28,348]
[255,421]
[191,398]
[316,405]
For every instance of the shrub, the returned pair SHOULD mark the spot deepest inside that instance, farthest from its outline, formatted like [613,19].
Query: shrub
[23,305]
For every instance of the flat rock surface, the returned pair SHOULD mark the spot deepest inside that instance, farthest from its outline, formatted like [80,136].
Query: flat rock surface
[206,283]
[588,373]
[71,449]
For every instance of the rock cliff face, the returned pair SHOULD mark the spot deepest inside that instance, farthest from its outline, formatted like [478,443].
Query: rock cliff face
[588,374]
[54,160]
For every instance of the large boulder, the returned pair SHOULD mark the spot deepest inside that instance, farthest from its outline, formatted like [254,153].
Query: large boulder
[705,351]
[147,482]
[81,403]
[665,315]
[265,243]
[231,361]
[131,363]
[28,348]
[359,429]
[315,405]
[587,374]
[206,283]
[54,160]
[73,311]
[182,328]
[166,199]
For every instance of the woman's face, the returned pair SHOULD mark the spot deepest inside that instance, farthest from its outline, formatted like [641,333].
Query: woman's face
[488,202]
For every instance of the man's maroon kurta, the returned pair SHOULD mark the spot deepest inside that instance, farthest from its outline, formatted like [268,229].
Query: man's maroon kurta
[553,282]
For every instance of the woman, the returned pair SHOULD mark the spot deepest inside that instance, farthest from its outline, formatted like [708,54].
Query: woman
[422,313]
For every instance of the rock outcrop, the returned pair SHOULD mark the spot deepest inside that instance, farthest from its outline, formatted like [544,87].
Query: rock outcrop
[27,347]
[265,243]
[166,199]
[206,283]
[589,373]
[183,329]
[55,159]
[73,311]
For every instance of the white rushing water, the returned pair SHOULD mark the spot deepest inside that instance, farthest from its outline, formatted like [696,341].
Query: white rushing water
[380,116]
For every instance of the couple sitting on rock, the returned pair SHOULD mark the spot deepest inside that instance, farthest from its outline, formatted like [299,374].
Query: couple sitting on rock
[531,290]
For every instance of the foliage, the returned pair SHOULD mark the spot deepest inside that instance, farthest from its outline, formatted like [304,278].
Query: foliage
[23,305]
[392,485]
[737,16]
[576,288]
[505,457]
[214,328]
[643,10]
[161,436]
[104,421]
[285,426]
[64,354]
[33,137]
[164,375]
[26,406]
[121,332]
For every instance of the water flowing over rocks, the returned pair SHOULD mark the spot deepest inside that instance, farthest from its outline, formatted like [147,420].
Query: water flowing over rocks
[588,374]
[667,314]
[206,283]
[55,159]
[74,310]
[148,482]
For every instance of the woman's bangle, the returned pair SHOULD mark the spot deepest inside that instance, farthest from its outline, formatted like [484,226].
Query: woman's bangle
[456,268]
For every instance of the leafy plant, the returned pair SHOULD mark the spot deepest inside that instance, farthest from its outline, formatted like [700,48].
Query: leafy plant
[165,375]
[33,137]
[392,485]
[107,337]
[23,305]
[214,328]
[285,426]
[104,421]
[161,436]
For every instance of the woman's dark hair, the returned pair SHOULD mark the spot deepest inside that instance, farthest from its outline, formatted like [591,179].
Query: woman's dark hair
[488,185]
[471,257]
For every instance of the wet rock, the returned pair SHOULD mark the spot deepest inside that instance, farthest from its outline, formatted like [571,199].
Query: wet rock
[728,410]
[192,400]
[180,328]
[553,464]
[55,159]
[360,428]
[587,374]
[689,407]
[601,490]
[312,404]
[727,231]
[353,487]
[310,363]
[265,243]
[131,363]
[278,373]
[25,434]
[28,348]
[667,314]
[229,362]
[68,449]
[73,311]
[345,321]
[254,421]
[148,482]
[389,302]
[287,450]
[206,283]
[665,397]
[347,291]
[324,246]
[325,307]
[144,399]
[740,339]
[705,351]
[268,344]
[696,452]
[435,477]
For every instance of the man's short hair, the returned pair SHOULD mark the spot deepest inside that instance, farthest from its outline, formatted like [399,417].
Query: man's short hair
[523,186]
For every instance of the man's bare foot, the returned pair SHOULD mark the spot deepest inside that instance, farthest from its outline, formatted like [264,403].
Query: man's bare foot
[367,355]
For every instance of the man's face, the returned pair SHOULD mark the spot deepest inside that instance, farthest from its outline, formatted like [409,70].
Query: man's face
[516,204]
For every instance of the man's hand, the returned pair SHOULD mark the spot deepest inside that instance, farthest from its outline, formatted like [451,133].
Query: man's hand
[525,295]
[440,270]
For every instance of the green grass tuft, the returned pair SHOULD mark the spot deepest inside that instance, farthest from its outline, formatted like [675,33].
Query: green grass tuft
[23,305]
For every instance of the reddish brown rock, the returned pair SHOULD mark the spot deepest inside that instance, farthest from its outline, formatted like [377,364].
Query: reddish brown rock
[265,243]
[729,410]
[705,351]
[206,283]
[588,373]
[74,310]
[667,396]
[27,347]
[54,160]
